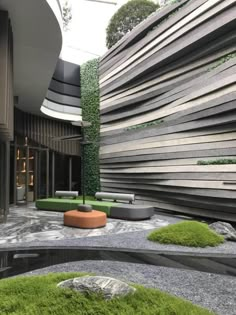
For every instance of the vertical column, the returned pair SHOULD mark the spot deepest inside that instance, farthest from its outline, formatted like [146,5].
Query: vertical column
[36,175]
[15,175]
[70,173]
[47,173]
[53,173]
[7,177]
[27,175]
[39,173]
[4,179]
[2,211]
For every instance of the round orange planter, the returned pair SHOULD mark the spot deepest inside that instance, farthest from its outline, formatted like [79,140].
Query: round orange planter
[85,220]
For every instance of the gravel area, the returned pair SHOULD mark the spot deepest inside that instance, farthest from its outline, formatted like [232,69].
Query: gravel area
[131,240]
[215,292]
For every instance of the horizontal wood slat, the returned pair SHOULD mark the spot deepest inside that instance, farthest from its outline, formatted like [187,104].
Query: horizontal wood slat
[168,100]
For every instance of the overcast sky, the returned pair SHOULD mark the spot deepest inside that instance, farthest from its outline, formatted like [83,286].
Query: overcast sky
[86,38]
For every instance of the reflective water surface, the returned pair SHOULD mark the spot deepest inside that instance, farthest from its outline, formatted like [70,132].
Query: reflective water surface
[18,261]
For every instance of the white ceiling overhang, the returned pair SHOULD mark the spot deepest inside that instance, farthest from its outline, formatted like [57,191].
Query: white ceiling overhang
[37,36]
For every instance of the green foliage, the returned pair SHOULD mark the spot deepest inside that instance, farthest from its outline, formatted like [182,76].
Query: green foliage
[40,295]
[171,13]
[187,233]
[222,60]
[66,15]
[217,162]
[91,198]
[126,18]
[90,109]
[148,124]
[63,204]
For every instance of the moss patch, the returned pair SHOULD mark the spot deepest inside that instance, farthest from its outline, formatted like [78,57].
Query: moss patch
[187,233]
[39,295]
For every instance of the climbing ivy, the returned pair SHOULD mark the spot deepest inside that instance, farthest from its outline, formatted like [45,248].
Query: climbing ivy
[222,60]
[148,124]
[90,110]
[217,162]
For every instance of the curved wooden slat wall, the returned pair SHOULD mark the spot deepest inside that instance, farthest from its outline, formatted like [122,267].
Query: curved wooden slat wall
[178,67]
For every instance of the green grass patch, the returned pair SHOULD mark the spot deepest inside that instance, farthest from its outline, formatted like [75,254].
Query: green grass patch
[217,162]
[187,233]
[63,204]
[38,295]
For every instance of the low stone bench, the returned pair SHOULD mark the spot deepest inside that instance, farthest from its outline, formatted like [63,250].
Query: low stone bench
[131,212]
[66,194]
[115,196]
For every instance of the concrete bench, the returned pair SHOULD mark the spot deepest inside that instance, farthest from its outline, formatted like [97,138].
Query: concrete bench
[131,212]
[115,196]
[66,194]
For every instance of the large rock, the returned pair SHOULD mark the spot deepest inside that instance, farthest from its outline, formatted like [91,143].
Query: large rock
[106,286]
[224,229]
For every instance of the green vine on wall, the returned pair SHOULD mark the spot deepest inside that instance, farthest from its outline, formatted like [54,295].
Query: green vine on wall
[217,162]
[148,124]
[222,60]
[90,112]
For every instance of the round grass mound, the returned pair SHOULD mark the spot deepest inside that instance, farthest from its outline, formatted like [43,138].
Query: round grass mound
[39,295]
[187,233]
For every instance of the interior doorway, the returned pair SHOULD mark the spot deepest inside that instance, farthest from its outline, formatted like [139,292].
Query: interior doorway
[37,172]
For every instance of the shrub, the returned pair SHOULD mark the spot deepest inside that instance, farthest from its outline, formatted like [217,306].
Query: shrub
[126,18]
[187,233]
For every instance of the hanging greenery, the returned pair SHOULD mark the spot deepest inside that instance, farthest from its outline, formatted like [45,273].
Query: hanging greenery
[90,112]
[66,14]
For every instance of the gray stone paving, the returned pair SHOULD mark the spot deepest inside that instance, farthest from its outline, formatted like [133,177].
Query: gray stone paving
[30,225]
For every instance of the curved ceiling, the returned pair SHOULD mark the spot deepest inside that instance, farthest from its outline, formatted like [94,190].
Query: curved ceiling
[37,40]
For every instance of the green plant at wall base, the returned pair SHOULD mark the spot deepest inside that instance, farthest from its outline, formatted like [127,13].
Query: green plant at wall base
[90,110]
[148,124]
[217,162]
[222,60]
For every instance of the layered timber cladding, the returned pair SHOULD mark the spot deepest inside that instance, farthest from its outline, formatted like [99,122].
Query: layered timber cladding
[168,101]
